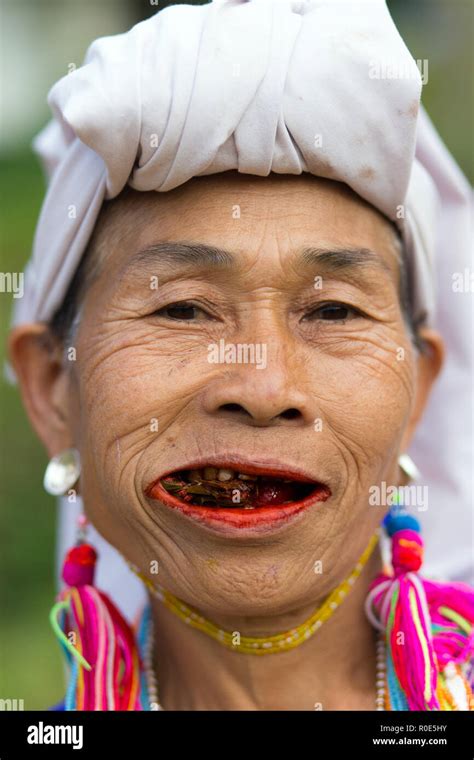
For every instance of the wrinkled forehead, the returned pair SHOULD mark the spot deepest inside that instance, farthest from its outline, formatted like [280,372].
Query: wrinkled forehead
[251,217]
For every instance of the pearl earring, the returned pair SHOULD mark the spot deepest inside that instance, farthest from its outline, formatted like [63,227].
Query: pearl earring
[406,463]
[62,472]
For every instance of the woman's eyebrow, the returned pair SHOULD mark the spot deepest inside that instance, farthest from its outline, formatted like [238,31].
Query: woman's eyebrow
[342,261]
[184,254]
[343,258]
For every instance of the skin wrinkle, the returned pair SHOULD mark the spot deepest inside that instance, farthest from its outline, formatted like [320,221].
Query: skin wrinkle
[378,366]
[132,367]
[184,255]
[96,255]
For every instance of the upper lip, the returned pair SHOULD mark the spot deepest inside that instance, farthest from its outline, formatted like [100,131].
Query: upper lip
[268,468]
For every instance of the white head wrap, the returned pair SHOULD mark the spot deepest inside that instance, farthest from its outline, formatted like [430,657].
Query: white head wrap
[286,86]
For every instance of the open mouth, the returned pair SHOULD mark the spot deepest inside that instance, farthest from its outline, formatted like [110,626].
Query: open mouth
[222,487]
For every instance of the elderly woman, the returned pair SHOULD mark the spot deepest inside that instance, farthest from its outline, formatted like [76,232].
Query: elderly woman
[229,372]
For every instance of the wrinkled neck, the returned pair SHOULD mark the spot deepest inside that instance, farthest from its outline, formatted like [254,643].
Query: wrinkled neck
[332,670]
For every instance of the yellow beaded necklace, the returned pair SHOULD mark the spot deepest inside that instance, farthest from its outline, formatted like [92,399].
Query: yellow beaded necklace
[281,642]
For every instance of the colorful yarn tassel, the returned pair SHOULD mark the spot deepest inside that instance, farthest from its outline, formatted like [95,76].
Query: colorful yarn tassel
[428,626]
[98,642]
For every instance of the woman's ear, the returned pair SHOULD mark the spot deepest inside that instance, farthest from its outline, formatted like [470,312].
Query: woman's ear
[429,364]
[44,380]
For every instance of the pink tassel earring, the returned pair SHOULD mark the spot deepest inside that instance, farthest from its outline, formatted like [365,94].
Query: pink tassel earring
[98,642]
[428,627]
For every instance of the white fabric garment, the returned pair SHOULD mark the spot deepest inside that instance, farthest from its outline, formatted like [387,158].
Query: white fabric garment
[286,86]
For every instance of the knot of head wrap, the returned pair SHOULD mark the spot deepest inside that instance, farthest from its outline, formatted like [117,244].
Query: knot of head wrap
[255,86]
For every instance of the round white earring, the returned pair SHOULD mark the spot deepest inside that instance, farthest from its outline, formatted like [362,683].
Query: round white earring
[62,472]
[406,463]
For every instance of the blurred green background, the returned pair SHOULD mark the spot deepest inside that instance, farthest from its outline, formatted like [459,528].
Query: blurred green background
[39,41]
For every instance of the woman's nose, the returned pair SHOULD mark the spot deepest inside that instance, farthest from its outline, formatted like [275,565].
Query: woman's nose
[260,398]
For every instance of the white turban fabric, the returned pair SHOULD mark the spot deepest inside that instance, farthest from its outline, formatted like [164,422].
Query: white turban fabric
[287,86]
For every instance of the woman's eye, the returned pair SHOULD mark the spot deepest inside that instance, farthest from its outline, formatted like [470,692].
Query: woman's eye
[181,311]
[333,312]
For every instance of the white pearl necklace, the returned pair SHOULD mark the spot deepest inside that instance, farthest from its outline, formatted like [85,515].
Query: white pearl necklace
[152,684]
[380,675]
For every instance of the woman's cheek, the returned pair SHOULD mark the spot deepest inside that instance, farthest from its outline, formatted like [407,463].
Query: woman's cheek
[132,396]
[367,398]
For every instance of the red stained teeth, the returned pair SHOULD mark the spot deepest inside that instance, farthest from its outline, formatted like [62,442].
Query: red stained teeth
[224,487]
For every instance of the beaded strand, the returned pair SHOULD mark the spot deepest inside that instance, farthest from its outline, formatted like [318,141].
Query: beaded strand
[264,644]
[381,676]
[382,701]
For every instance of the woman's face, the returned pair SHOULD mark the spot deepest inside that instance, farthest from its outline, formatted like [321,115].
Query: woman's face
[333,391]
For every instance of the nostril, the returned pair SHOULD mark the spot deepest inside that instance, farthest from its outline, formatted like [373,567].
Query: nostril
[290,414]
[234,408]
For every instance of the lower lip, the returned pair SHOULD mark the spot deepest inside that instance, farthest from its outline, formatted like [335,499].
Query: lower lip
[260,519]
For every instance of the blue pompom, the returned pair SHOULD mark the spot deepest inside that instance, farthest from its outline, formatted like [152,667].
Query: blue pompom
[394,522]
